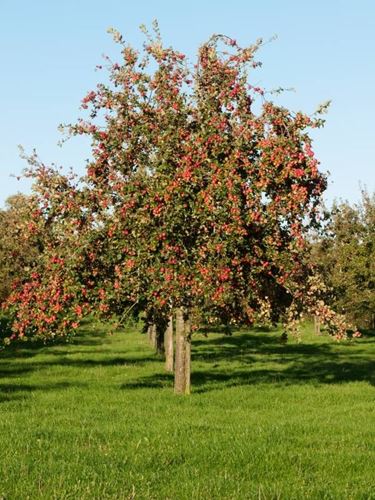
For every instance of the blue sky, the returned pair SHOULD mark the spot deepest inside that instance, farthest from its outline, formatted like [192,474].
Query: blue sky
[324,50]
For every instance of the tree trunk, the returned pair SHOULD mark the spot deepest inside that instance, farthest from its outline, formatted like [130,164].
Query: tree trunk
[316,325]
[183,354]
[159,341]
[187,355]
[152,335]
[168,346]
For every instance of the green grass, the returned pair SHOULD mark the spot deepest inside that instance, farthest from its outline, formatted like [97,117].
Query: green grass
[98,419]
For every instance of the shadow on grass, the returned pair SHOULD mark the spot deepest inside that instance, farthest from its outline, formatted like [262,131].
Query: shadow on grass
[15,370]
[29,349]
[20,359]
[156,381]
[300,372]
[15,392]
[249,359]
[111,361]
[218,362]
[16,357]
[9,388]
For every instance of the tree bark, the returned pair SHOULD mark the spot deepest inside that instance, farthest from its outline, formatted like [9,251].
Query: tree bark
[159,341]
[179,378]
[183,354]
[316,325]
[168,346]
[187,355]
[152,335]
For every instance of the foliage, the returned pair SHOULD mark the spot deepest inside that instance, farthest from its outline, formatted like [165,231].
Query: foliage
[19,248]
[191,198]
[46,303]
[345,255]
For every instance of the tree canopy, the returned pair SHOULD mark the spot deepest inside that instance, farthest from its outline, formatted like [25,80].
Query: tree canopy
[199,195]
[345,255]
[19,249]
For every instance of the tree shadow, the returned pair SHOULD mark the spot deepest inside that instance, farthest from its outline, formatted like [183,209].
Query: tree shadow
[250,359]
[111,361]
[292,363]
[243,347]
[30,348]
[300,372]
[14,370]
[155,381]
[15,392]
[4,398]
[75,352]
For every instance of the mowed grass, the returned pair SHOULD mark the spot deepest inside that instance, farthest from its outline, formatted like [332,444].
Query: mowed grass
[98,419]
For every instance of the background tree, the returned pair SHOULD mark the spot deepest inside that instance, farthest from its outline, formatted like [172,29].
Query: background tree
[50,299]
[19,247]
[345,255]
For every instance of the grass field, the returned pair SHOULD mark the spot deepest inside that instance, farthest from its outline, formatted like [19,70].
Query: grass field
[98,419]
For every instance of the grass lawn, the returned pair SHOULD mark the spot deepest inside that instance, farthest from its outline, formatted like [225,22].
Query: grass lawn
[98,419]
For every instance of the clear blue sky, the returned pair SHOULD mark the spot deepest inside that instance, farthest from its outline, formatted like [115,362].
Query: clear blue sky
[325,50]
